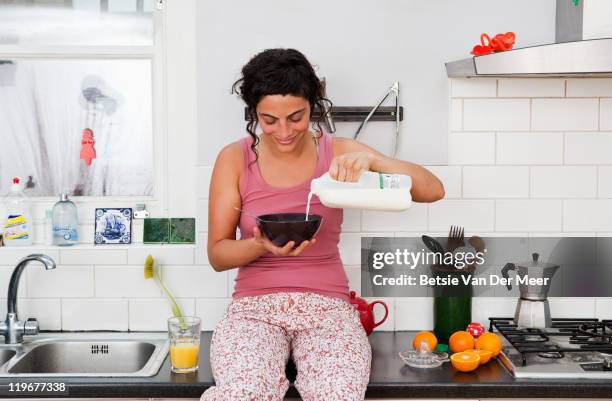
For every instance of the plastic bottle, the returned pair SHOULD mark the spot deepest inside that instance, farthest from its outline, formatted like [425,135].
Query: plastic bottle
[17,228]
[65,222]
[48,227]
[373,191]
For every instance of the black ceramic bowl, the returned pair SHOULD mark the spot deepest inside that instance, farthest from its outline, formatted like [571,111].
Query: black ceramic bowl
[281,228]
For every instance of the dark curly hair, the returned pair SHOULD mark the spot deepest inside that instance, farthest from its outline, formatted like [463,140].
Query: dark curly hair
[279,72]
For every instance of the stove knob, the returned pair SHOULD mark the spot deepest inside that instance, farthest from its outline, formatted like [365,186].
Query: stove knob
[607,363]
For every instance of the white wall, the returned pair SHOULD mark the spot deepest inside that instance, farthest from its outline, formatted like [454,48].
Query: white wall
[361,47]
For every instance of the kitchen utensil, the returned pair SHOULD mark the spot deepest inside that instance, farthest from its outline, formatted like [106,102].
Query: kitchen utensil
[423,357]
[366,312]
[395,90]
[455,238]
[281,228]
[432,244]
[532,309]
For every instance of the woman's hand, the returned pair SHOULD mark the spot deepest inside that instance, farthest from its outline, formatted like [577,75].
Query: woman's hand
[286,250]
[350,166]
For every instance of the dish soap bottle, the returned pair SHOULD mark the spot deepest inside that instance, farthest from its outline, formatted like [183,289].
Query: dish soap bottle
[17,228]
[373,191]
[65,222]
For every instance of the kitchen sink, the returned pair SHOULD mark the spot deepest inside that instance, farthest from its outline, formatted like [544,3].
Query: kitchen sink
[85,354]
[5,355]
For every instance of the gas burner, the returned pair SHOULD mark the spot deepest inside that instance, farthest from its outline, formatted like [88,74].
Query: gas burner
[551,355]
[533,339]
[596,332]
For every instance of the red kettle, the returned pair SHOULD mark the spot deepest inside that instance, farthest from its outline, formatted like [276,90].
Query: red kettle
[366,312]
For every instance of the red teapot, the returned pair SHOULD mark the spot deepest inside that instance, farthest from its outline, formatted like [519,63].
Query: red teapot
[366,312]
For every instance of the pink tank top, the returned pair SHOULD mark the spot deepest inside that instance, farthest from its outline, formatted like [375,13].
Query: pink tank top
[318,269]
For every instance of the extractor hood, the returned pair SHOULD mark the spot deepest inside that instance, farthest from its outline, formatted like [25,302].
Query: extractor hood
[582,58]
[583,49]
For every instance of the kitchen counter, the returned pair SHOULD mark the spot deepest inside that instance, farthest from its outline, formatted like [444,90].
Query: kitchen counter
[390,378]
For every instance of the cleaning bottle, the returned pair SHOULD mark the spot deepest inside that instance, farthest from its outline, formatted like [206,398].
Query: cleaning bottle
[17,229]
[65,222]
[373,191]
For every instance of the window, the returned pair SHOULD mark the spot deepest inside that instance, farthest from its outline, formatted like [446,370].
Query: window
[77,86]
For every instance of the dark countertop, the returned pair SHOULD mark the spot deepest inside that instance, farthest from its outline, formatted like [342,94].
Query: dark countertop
[389,378]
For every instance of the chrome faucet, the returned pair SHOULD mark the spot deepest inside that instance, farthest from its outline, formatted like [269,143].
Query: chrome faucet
[12,328]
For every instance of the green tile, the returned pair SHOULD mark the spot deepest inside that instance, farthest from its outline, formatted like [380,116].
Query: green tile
[156,231]
[182,231]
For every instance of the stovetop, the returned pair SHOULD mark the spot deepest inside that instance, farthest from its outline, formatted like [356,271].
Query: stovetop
[571,348]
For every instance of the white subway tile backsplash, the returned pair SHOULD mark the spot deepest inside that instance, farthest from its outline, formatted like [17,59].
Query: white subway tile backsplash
[528,215]
[565,114]
[5,278]
[12,256]
[231,277]
[211,311]
[530,87]
[588,148]
[201,252]
[563,181]
[124,282]
[451,179]
[529,148]
[605,182]
[163,255]
[603,308]
[495,182]
[496,114]
[109,255]
[474,87]
[63,281]
[195,281]
[350,248]
[605,115]
[204,174]
[202,215]
[152,314]
[572,307]
[591,87]
[587,215]
[485,307]
[413,219]
[471,148]
[46,311]
[351,220]
[414,313]
[353,273]
[456,114]
[95,314]
[474,215]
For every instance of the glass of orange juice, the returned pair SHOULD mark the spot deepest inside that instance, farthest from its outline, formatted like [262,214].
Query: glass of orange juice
[184,333]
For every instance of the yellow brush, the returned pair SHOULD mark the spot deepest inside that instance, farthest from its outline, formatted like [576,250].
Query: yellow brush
[150,272]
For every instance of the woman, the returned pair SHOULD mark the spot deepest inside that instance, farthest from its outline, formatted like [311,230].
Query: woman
[290,300]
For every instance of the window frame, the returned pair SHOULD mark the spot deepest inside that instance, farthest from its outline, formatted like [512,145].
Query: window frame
[156,53]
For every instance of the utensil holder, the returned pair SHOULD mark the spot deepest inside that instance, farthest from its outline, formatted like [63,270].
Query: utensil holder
[452,304]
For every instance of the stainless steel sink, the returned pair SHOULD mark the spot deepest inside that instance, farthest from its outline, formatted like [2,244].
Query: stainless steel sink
[5,355]
[86,354]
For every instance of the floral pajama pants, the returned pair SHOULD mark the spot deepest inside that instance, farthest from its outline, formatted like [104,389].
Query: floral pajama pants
[252,344]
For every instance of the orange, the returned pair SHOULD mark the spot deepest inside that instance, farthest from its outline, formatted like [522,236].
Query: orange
[460,341]
[465,361]
[485,355]
[489,341]
[426,336]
